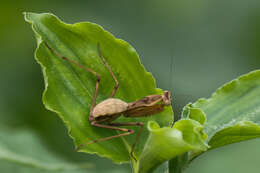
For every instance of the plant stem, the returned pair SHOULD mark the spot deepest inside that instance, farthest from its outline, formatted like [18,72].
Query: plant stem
[178,164]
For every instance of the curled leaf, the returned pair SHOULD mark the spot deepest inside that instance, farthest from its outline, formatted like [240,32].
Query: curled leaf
[194,113]
[166,143]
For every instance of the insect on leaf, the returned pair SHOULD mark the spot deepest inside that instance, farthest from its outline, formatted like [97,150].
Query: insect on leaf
[69,90]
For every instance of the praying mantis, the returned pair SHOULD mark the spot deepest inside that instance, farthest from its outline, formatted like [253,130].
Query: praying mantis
[104,113]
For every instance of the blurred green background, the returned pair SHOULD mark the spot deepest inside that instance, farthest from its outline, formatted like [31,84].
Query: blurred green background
[210,43]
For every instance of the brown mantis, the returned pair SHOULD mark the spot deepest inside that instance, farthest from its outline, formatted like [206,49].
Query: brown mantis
[102,114]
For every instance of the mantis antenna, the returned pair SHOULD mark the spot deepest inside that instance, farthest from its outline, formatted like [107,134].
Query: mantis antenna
[171,71]
[171,64]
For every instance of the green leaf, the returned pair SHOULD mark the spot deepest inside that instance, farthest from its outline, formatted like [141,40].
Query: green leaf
[241,131]
[194,113]
[233,111]
[21,150]
[69,89]
[166,143]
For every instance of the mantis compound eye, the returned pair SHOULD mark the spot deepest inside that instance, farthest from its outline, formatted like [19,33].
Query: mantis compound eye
[167,98]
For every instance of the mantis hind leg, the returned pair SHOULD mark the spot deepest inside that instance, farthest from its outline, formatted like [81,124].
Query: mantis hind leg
[114,126]
[110,126]
[110,71]
[137,136]
[85,68]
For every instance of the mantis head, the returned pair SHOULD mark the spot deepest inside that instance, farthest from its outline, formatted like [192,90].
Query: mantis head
[166,98]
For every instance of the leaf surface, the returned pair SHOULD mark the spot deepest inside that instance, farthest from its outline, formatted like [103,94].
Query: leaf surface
[22,151]
[233,111]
